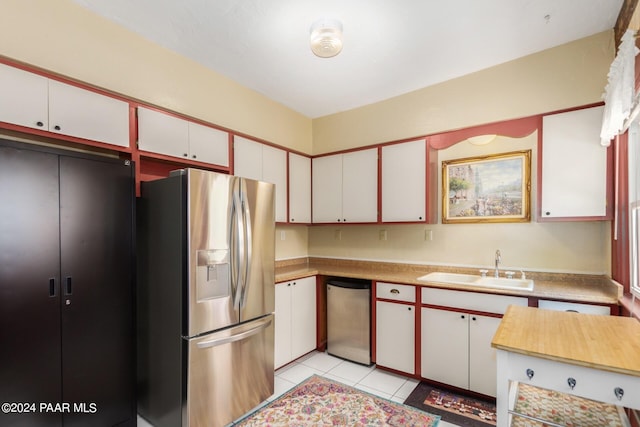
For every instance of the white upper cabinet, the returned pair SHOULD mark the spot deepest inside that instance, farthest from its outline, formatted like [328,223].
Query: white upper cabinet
[209,145]
[326,181]
[262,162]
[345,187]
[574,165]
[165,134]
[247,158]
[34,101]
[84,114]
[404,182]
[23,98]
[299,189]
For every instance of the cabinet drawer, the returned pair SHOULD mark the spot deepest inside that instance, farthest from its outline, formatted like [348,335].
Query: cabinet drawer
[489,303]
[573,306]
[589,383]
[396,292]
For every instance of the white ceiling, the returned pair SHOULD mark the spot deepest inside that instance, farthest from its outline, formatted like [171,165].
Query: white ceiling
[391,47]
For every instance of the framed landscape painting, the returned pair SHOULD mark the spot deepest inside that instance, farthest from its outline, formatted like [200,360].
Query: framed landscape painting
[494,188]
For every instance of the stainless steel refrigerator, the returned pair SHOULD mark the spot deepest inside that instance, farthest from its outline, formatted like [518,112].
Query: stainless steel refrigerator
[205,300]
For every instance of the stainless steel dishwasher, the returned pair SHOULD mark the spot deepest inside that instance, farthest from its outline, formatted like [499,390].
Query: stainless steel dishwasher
[349,320]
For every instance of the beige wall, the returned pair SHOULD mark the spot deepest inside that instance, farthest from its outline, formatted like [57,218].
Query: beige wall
[564,77]
[64,38]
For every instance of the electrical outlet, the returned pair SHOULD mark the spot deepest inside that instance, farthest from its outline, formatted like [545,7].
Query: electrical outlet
[337,234]
[428,235]
[382,235]
[283,235]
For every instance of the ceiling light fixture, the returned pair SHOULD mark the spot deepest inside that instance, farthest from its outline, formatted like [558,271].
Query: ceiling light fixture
[326,38]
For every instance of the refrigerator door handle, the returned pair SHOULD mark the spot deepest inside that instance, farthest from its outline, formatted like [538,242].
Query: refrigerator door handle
[234,338]
[237,237]
[247,243]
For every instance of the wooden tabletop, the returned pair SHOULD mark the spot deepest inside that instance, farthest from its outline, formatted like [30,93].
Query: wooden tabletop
[609,343]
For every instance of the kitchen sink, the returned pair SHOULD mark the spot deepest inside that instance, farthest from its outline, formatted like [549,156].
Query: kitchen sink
[473,280]
[457,278]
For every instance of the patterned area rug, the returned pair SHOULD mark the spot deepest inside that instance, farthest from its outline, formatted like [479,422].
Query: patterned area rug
[454,408]
[322,402]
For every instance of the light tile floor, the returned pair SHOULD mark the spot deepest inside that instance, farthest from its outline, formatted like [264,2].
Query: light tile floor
[375,381]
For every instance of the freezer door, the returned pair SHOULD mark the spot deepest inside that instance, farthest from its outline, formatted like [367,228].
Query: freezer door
[229,373]
[211,289]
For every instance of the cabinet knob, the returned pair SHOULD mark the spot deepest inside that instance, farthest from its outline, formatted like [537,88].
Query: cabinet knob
[57,127]
[419,217]
[572,382]
[619,392]
[194,156]
[530,373]
[473,318]
[39,124]
[394,291]
[185,155]
[462,316]
[547,213]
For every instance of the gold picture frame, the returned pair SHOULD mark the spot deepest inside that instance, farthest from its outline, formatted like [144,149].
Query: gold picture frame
[492,188]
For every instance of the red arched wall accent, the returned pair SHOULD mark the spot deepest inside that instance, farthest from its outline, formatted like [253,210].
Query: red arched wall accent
[516,128]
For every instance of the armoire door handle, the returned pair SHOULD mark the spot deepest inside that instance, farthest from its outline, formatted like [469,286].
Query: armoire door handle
[68,286]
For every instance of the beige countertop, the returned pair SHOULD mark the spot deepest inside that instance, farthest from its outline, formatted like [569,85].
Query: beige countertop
[571,287]
[576,338]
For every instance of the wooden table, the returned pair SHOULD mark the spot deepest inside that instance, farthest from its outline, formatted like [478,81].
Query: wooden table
[592,356]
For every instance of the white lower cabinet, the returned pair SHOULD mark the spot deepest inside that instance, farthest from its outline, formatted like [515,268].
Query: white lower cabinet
[395,336]
[455,343]
[456,349]
[295,319]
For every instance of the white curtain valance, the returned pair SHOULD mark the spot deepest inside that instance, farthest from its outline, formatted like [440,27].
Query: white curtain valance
[619,94]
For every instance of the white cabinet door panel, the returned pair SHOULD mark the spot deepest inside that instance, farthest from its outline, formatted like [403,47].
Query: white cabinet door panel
[274,170]
[299,189]
[303,317]
[482,357]
[282,330]
[445,346]
[574,165]
[327,188]
[360,186]
[77,112]
[404,182]
[247,158]
[23,98]
[162,133]
[208,144]
[395,336]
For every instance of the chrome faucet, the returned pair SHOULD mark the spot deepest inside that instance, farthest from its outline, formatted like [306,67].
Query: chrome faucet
[498,259]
